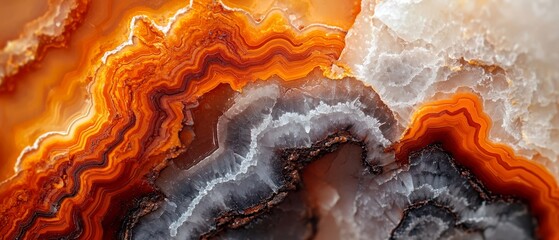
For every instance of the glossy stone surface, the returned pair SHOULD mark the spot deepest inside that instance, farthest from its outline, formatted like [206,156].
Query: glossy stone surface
[326,119]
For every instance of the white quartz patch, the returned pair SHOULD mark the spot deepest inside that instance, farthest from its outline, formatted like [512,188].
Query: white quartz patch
[415,51]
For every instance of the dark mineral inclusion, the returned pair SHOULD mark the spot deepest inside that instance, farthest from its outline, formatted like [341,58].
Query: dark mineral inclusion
[468,211]
[308,161]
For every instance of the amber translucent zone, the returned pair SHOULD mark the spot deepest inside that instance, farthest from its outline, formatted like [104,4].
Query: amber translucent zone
[460,125]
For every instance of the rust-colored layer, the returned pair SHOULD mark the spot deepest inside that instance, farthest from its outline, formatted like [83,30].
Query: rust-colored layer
[53,93]
[461,126]
[82,183]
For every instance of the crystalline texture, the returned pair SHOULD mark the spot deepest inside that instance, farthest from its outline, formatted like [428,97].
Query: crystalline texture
[270,126]
[243,170]
[417,51]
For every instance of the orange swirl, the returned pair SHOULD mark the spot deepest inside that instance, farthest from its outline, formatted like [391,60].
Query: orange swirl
[82,184]
[461,126]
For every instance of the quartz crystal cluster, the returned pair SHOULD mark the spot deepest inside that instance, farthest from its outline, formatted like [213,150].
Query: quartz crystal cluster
[279,119]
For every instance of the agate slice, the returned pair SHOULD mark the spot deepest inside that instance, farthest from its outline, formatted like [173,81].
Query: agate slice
[313,119]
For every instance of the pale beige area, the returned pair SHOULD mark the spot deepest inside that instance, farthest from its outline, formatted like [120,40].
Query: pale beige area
[16,15]
[338,13]
[19,51]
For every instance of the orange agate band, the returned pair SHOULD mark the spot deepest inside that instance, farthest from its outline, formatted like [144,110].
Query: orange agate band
[462,128]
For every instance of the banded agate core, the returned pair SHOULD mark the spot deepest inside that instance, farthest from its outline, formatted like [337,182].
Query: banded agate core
[247,166]
[279,119]
[268,137]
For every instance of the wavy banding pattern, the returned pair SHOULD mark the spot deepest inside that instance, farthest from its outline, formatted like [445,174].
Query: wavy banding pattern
[242,170]
[270,133]
[139,101]
[461,126]
[431,198]
[227,118]
[447,201]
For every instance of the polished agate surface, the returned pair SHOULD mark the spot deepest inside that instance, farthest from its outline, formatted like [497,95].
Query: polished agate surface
[279,119]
